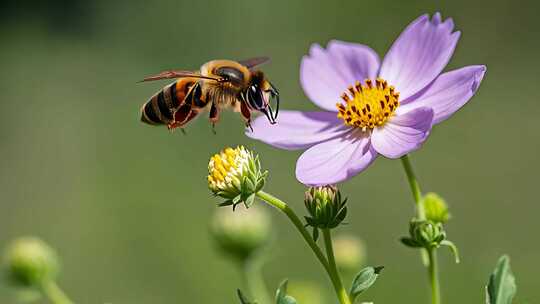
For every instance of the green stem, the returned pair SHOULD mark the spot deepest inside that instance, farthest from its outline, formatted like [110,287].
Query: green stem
[338,285]
[429,257]
[283,207]
[415,187]
[252,269]
[434,277]
[54,293]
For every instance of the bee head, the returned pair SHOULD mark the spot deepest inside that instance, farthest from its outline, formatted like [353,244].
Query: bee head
[260,95]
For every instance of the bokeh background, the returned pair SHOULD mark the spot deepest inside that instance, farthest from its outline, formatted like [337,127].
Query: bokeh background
[126,205]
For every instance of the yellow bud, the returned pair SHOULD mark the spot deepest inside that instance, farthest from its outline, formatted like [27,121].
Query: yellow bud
[436,208]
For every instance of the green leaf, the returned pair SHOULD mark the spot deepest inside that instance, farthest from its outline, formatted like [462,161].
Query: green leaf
[364,279]
[281,295]
[502,286]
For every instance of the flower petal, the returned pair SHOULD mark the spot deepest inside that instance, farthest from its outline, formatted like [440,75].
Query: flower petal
[326,74]
[448,93]
[419,54]
[403,133]
[297,130]
[335,160]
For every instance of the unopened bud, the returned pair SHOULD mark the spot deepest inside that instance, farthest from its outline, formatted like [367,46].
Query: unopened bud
[436,208]
[31,262]
[241,232]
[325,207]
[425,234]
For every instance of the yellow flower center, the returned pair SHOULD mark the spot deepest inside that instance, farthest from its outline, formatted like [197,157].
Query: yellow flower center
[367,106]
[226,169]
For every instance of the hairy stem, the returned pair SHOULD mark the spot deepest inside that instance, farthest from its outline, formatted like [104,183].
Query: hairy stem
[283,207]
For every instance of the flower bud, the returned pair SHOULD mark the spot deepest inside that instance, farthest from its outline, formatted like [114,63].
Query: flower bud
[436,208]
[241,232]
[425,234]
[31,262]
[325,207]
[349,252]
[236,175]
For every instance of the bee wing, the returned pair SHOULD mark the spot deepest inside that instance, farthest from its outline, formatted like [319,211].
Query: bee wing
[254,62]
[178,74]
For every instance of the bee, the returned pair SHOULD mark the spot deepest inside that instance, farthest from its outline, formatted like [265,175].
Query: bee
[219,84]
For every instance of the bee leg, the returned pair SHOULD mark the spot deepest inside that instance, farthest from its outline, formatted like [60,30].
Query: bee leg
[214,116]
[181,117]
[183,131]
[246,114]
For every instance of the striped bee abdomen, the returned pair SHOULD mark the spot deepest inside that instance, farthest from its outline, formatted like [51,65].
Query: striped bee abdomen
[161,107]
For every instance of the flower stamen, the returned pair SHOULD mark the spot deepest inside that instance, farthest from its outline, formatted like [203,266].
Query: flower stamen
[227,168]
[368,106]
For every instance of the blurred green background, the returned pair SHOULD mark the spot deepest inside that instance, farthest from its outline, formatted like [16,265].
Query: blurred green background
[127,205]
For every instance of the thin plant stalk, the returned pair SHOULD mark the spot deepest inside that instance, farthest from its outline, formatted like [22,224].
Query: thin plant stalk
[434,277]
[53,292]
[252,271]
[421,215]
[283,207]
[342,293]
[415,187]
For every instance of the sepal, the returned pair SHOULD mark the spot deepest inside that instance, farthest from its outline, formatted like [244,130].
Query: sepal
[453,248]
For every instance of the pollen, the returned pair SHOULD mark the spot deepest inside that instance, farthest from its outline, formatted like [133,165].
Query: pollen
[225,169]
[368,105]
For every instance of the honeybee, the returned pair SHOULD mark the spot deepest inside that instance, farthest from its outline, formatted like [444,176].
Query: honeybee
[219,84]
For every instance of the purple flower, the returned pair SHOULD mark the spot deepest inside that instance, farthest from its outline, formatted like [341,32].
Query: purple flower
[372,108]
